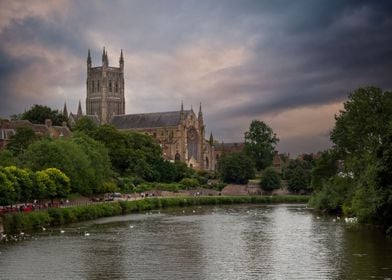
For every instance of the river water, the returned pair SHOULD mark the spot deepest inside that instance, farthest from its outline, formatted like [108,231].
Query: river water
[225,242]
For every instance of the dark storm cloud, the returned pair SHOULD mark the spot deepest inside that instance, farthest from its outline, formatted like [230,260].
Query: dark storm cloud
[242,59]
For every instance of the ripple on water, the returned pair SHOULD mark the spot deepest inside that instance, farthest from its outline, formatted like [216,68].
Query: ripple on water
[230,242]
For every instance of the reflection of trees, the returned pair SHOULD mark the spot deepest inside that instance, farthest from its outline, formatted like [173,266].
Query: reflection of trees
[367,254]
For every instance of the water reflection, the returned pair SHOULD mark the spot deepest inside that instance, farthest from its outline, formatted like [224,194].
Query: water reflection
[230,242]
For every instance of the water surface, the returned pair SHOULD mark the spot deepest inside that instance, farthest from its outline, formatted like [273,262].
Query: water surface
[225,242]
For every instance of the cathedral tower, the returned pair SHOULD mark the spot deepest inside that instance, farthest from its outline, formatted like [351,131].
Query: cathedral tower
[105,89]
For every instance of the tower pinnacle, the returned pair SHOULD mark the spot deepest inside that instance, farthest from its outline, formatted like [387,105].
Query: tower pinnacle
[88,59]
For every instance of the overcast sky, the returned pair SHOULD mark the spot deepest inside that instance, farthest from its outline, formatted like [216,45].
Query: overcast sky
[288,63]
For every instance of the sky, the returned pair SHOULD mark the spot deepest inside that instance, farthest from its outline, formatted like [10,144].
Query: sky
[290,64]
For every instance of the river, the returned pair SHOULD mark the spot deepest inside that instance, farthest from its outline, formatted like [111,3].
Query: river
[225,242]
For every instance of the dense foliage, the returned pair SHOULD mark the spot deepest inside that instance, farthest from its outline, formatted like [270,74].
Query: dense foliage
[297,173]
[39,113]
[270,180]
[236,168]
[362,138]
[96,159]
[17,184]
[260,143]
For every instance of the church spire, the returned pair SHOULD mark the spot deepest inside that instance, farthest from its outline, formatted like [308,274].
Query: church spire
[182,115]
[200,112]
[105,60]
[103,55]
[65,111]
[88,59]
[211,139]
[121,60]
[80,113]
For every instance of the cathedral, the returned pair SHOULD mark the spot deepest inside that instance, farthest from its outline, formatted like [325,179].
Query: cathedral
[181,134]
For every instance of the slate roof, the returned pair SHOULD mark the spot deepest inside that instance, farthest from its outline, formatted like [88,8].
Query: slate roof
[148,120]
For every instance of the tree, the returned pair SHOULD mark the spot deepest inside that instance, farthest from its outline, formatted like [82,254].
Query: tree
[39,113]
[360,127]
[22,182]
[66,156]
[86,125]
[58,185]
[19,142]
[362,136]
[8,195]
[260,143]
[325,168]
[98,157]
[7,158]
[298,180]
[236,168]
[270,179]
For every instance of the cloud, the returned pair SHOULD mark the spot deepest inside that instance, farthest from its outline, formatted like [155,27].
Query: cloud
[285,62]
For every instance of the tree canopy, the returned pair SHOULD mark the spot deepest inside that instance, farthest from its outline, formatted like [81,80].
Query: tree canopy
[39,113]
[236,168]
[270,179]
[362,136]
[260,143]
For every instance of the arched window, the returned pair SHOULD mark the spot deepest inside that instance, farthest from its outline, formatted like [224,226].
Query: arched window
[116,86]
[177,157]
[98,85]
[207,163]
[192,143]
[92,86]
[110,86]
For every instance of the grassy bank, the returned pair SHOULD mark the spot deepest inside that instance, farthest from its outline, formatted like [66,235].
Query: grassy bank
[15,223]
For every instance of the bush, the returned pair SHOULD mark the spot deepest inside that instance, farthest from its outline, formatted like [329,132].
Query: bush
[189,182]
[270,180]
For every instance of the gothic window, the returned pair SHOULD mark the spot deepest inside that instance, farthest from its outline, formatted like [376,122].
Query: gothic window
[92,86]
[110,86]
[207,163]
[192,143]
[98,85]
[177,157]
[116,86]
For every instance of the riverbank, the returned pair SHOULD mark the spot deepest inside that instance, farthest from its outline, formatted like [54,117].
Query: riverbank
[24,222]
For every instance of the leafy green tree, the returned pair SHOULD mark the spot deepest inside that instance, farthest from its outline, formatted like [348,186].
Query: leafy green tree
[362,136]
[190,182]
[98,157]
[108,187]
[236,168]
[59,187]
[270,179]
[86,125]
[39,113]
[360,127]
[325,168]
[19,142]
[335,195]
[22,182]
[66,156]
[7,158]
[297,173]
[298,180]
[8,195]
[260,143]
